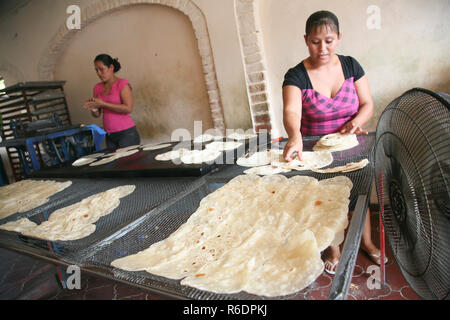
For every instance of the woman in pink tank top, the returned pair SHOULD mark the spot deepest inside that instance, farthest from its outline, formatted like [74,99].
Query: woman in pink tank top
[113,98]
[327,93]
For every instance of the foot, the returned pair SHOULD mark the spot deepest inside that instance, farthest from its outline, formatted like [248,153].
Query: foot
[331,266]
[374,254]
[331,256]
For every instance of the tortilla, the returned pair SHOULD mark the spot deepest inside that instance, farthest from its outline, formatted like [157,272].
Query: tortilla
[223,146]
[336,142]
[335,139]
[266,170]
[148,147]
[114,157]
[27,194]
[207,137]
[261,158]
[351,166]
[83,161]
[75,221]
[171,155]
[200,156]
[262,235]
[94,155]
[310,160]
[278,164]
[241,136]
[125,149]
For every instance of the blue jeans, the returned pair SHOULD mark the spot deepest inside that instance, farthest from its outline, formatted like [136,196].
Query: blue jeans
[124,138]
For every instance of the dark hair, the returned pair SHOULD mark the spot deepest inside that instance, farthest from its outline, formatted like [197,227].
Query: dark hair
[108,61]
[322,18]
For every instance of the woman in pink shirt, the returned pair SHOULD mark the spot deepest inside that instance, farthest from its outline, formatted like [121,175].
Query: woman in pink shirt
[114,99]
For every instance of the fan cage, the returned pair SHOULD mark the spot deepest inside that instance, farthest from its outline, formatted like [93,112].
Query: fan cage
[412,161]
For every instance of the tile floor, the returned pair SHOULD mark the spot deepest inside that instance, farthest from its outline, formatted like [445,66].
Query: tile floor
[25,278]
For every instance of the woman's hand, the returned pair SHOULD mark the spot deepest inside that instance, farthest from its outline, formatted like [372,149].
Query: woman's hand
[293,145]
[353,127]
[92,104]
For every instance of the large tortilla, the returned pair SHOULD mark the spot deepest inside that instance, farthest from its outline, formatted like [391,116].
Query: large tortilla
[75,221]
[26,195]
[262,235]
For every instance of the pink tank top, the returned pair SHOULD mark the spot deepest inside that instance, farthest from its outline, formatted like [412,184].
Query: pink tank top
[114,121]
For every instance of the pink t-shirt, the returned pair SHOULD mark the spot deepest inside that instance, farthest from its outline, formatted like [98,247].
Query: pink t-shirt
[114,121]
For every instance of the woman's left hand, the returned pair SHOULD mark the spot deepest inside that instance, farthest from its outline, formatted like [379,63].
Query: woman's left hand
[93,103]
[353,127]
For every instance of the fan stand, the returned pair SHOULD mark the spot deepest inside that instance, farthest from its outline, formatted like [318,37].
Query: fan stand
[382,242]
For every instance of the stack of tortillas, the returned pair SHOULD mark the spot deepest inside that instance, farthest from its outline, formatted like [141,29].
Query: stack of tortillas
[336,142]
[349,167]
[26,195]
[262,235]
[272,162]
[75,221]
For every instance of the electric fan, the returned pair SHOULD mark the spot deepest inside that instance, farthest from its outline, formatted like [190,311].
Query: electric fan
[412,163]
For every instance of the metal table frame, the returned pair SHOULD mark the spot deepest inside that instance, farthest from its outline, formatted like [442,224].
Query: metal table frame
[27,144]
[339,287]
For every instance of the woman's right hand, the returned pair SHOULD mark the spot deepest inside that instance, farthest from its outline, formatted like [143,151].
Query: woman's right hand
[91,105]
[294,144]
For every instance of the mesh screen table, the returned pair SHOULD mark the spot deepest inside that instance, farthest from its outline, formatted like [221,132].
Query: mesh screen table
[158,207]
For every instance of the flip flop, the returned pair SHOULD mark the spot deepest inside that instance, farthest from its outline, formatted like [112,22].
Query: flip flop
[332,264]
[375,256]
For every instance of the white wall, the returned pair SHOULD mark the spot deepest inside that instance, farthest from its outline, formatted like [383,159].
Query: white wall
[410,50]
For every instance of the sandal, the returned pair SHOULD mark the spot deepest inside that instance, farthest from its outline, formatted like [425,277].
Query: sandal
[331,266]
[375,257]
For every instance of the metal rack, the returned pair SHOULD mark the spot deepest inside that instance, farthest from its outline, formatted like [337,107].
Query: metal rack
[25,102]
[158,208]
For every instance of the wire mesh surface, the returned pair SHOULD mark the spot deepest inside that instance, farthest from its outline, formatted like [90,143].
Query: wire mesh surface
[148,195]
[361,179]
[412,159]
[171,215]
[157,208]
